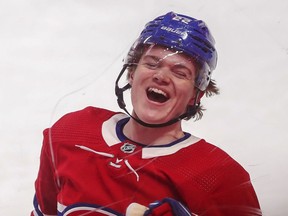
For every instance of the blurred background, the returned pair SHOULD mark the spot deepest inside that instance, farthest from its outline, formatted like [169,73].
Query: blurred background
[57,56]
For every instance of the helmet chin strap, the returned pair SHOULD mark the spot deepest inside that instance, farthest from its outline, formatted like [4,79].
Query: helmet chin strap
[191,109]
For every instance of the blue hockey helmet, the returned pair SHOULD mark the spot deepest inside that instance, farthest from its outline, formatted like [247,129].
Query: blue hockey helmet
[186,34]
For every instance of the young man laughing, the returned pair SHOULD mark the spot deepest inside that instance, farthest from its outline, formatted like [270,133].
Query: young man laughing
[99,162]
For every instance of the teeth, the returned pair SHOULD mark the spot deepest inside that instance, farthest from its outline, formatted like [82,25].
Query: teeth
[158,91]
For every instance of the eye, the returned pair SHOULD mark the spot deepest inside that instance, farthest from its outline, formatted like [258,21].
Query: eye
[151,64]
[182,74]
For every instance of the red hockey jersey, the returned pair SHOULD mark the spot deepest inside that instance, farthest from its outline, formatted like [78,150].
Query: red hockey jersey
[89,167]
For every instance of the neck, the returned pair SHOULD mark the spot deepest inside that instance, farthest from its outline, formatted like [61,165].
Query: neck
[152,136]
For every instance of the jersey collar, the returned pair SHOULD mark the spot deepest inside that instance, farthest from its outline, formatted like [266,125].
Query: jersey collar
[112,131]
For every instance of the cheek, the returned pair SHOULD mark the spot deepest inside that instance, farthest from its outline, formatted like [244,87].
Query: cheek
[133,74]
[187,92]
[139,76]
[135,83]
[185,87]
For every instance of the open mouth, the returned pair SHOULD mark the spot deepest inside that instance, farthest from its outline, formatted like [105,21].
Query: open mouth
[157,95]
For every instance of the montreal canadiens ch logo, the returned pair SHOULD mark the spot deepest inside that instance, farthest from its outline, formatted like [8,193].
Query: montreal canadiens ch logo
[128,148]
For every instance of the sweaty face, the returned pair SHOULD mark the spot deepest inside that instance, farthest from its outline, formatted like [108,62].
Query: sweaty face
[162,85]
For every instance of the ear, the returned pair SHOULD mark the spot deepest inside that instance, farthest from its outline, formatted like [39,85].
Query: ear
[131,76]
[197,96]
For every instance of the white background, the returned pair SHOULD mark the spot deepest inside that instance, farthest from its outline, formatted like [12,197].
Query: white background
[57,56]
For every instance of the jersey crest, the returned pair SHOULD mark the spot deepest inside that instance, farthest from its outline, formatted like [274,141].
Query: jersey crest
[128,148]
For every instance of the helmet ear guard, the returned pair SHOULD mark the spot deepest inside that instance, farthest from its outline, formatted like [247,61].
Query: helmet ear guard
[204,77]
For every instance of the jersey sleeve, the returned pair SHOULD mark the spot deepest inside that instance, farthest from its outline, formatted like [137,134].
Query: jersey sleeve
[232,193]
[211,183]
[238,199]
[45,200]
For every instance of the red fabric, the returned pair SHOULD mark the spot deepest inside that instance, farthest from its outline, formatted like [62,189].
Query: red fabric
[201,176]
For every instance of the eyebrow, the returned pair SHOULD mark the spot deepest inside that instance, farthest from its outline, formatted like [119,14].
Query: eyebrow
[152,57]
[157,59]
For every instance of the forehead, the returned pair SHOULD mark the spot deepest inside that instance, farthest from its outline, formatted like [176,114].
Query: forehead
[164,53]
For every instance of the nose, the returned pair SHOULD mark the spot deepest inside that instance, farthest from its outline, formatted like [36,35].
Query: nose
[162,75]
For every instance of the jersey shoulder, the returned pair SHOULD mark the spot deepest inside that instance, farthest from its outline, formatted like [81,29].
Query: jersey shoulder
[211,157]
[82,127]
[83,121]
[205,166]
[86,115]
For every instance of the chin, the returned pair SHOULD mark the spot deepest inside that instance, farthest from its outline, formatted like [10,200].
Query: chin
[154,118]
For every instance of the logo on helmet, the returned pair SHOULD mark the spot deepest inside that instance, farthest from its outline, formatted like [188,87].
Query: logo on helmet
[176,31]
[182,19]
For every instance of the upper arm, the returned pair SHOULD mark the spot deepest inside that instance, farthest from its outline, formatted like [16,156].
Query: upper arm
[46,188]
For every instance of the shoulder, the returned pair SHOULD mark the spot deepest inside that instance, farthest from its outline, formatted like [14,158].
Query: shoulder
[207,165]
[85,116]
[86,121]
[216,168]
[211,157]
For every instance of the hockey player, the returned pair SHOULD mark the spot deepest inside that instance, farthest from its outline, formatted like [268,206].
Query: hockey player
[99,162]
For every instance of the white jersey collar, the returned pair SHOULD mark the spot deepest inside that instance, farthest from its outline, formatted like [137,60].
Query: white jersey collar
[112,134]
